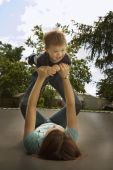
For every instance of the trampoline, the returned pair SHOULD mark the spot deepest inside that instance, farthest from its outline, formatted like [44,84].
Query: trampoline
[95,143]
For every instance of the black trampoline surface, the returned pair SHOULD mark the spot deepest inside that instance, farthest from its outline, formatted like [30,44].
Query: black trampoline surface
[95,143]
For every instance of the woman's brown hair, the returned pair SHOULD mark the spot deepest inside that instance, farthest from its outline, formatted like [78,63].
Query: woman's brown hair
[58,146]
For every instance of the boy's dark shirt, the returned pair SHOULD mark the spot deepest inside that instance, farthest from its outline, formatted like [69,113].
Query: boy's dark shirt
[43,60]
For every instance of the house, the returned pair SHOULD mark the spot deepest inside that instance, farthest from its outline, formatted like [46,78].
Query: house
[90,102]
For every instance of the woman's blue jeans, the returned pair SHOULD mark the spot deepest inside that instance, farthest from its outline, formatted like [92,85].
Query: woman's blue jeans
[58,117]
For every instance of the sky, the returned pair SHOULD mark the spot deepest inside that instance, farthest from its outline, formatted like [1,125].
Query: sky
[18,18]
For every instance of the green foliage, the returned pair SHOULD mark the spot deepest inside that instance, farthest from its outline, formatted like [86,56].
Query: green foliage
[14,74]
[37,42]
[8,52]
[79,74]
[105,86]
[99,40]
[49,95]
[41,102]
[14,77]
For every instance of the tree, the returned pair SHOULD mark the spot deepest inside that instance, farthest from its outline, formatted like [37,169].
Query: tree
[14,74]
[8,52]
[105,86]
[37,42]
[99,40]
[48,94]
[79,73]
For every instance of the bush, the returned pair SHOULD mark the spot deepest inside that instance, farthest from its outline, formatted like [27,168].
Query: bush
[41,102]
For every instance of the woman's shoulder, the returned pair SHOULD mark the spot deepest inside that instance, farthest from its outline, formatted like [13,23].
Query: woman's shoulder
[33,140]
[72,132]
[40,129]
[38,132]
[31,143]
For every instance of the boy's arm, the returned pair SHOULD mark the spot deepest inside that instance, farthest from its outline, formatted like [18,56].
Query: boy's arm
[35,59]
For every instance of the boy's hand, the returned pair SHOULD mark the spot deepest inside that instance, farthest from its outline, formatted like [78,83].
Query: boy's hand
[56,67]
[64,70]
[52,70]
[45,71]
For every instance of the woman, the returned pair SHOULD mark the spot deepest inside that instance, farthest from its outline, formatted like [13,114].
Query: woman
[51,140]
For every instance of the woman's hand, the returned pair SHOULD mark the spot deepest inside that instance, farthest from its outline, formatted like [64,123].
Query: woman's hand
[64,70]
[42,72]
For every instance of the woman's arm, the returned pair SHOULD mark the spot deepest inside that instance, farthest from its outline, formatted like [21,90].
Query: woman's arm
[69,95]
[70,104]
[30,118]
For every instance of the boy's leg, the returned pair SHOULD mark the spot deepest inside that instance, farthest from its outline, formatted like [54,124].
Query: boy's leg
[60,116]
[23,104]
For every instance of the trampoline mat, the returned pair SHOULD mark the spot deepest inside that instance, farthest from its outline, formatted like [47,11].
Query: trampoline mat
[95,143]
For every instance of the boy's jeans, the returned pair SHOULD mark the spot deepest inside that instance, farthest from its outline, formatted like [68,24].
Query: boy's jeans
[60,116]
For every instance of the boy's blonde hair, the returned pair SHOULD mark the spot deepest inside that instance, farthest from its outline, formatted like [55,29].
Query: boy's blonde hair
[54,37]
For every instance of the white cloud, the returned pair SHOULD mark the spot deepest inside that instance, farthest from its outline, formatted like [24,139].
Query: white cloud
[26,52]
[3,1]
[10,40]
[96,72]
[48,13]
[91,89]
[43,12]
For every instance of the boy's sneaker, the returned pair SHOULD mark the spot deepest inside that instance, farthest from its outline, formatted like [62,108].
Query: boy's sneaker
[32,59]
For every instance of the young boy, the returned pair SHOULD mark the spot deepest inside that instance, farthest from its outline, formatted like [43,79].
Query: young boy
[55,53]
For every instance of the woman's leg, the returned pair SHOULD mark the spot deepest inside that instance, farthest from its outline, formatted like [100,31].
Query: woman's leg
[60,116]
[23,104]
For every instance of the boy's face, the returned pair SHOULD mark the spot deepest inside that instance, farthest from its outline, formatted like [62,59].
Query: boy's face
[56,52]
